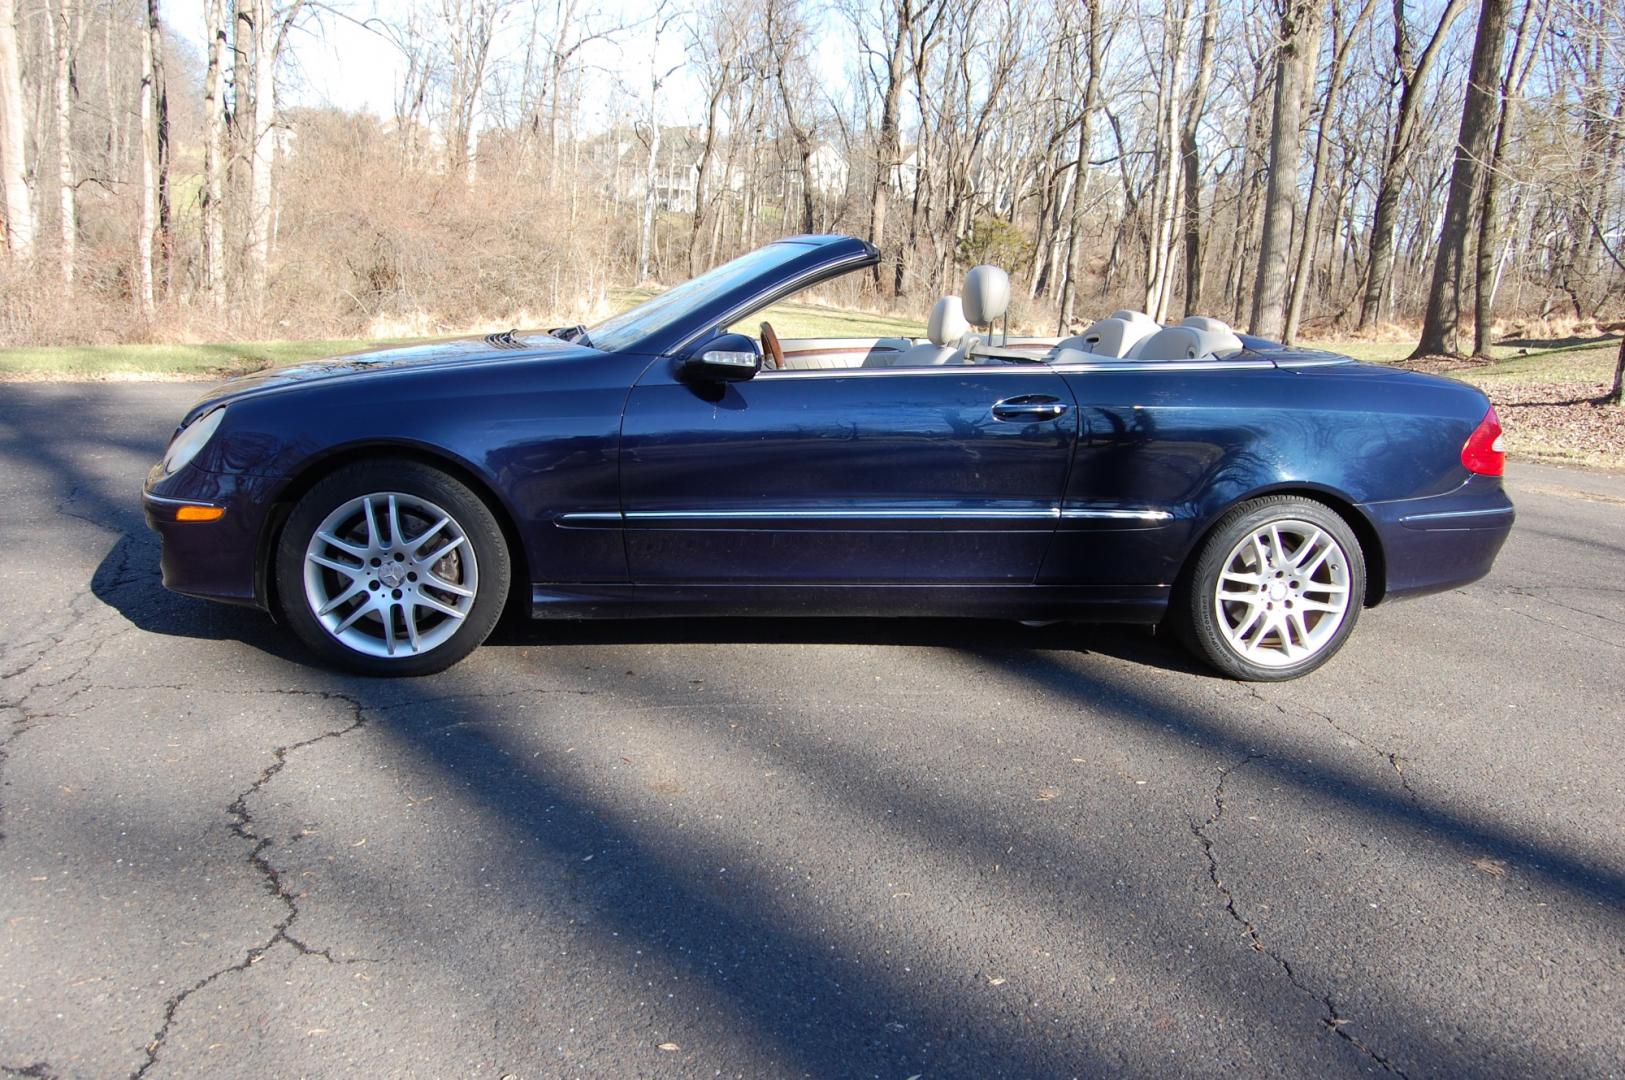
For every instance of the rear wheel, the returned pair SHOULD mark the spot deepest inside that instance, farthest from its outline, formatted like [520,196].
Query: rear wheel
[392,568]
[1275,590]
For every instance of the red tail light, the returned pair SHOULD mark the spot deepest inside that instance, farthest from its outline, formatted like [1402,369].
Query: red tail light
[1484,453]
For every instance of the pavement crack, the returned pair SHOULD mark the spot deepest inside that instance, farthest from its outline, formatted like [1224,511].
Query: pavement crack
[1538,593]
[38,1070]
[1395,760]
[1333,1019]
[243,826]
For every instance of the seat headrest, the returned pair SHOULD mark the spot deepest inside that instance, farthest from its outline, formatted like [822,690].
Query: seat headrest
[947,323]
[987,294]
[1205,322]
[1186,343]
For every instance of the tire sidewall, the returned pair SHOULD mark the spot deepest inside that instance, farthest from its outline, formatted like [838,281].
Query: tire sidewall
[412,478]
[1200,624]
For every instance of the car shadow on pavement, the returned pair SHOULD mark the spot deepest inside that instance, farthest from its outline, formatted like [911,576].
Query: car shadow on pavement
[127,581]
[810,1001]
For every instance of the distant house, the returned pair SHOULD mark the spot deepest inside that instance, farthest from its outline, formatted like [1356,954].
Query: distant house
[829,170]
[677,169]
[905,175]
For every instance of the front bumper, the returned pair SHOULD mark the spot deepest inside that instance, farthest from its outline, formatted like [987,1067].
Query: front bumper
[1442,541]
[215,560]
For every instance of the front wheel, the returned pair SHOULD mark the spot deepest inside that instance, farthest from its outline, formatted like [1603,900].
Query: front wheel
[392,568]
[1275,590]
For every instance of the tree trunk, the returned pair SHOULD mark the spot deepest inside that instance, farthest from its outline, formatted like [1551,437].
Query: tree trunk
[1478,115]
[214,237]
[1301,277]
[1074,232]
[1294,66]
[1401,142]
[1487,259]
[65,188]
[160,100]
[1189,156]
[886,147]
[646,233]
[19,211]
[1616,395]
[149,179]
[261,150]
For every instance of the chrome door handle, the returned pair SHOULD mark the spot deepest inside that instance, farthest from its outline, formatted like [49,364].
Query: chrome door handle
[1034,407]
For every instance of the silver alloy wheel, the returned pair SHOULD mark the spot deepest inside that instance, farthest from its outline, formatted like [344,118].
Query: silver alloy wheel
[1282,593]
[390,574]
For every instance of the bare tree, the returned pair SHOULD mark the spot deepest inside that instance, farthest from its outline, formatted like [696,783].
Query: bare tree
[664,16]
[19,222]
[1411,75]
[149,168]
[160,134]
[214,119]
[1091,62]
[1166,177]
[1478,115]
[784,34]
[66,31]
[1191,160]
[715,39]
[1523,51]
[1301,283]
[1294,72]
[888,142]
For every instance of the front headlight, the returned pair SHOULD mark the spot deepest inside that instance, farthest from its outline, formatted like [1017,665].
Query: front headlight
[191,439]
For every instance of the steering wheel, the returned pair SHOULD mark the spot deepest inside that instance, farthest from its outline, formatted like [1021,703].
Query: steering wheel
[771,346]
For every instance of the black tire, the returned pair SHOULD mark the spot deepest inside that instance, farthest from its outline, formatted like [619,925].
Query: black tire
[1206,625]
[489,571]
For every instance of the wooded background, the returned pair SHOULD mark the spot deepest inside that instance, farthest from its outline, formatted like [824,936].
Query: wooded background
[1281,164]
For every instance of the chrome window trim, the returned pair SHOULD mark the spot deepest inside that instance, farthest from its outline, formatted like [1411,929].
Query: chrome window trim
[1316,361]
[1154,366]
[934,369]
[1150,367]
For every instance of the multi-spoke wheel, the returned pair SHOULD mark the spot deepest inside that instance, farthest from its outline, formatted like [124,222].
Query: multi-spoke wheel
[392,568]
[1275,591]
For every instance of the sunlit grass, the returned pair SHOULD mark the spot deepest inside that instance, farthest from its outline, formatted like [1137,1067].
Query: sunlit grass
[1568,360]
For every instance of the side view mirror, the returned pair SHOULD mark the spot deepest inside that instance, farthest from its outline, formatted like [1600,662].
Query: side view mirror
[728,358]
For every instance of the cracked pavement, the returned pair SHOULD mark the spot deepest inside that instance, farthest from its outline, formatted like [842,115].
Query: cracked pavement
[833,848]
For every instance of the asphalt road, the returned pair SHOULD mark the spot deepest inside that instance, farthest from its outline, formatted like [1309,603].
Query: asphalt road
[823,848]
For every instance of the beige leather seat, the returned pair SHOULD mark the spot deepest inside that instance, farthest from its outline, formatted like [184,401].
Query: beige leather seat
[945,328]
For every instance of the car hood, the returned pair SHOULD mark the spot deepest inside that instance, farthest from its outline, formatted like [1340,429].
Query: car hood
[374,363]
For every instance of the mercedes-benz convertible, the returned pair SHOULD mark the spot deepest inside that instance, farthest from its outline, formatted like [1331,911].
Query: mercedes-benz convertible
[387,506]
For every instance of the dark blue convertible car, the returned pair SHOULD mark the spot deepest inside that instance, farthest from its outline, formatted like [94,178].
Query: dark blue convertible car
[389,505]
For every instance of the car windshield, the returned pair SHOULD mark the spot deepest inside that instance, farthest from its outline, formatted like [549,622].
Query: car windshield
[679,302]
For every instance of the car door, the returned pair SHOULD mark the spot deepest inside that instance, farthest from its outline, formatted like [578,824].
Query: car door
[917,476]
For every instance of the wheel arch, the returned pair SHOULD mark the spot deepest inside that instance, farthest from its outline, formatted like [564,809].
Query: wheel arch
[322,465]
[1376,563]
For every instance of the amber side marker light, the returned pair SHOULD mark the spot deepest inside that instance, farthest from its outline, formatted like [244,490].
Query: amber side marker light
[200,513]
